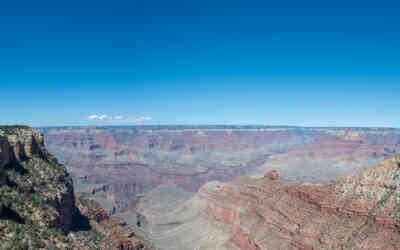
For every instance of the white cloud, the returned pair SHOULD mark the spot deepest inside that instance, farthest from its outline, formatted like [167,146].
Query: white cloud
[118,118]
[99,117]
[143,119]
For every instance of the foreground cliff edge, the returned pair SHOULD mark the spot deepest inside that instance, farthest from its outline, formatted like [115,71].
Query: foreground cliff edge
[360,211]
[38,209]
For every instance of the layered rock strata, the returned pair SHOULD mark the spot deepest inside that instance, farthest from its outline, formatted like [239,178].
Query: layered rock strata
[358,212]
[120,235]
[38,209]
[30,169]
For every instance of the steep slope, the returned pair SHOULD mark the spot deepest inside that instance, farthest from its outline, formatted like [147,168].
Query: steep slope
[38,209]
[358,212]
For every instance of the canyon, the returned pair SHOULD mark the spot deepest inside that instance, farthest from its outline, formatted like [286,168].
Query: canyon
[168,182]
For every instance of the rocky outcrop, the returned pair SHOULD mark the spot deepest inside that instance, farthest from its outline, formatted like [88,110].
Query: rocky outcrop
[4,157]
[121,236]
[4,152]
[38,208]
[22,146]
[32,170]
[64,203]
[358,212]
[24,143]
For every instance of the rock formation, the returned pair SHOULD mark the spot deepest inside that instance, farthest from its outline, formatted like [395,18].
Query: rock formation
[358,212]
[121,236]
[30,170]
[38,209]
[4,152]
[4,156]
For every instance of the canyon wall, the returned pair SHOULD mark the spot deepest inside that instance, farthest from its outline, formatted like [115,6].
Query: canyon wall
[186,140]
[23,149]
[38,208]
[358,212]
[4,156]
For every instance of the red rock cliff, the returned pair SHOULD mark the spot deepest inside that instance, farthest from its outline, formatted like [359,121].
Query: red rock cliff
[358,212]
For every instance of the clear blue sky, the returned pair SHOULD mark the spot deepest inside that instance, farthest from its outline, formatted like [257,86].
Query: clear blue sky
[199,62]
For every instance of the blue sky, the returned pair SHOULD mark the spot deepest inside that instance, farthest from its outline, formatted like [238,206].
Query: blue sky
[199,62]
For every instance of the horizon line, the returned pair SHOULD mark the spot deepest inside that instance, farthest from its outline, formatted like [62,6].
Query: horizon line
[232,126]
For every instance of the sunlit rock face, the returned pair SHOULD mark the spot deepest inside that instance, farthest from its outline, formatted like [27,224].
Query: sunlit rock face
[38,208]
[25,143]
[37,187]
[18,144]
[360,211]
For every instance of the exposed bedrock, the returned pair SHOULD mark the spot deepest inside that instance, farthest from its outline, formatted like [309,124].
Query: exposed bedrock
[358,212]
[4,152]
[4,157]
[25,143]
[20,144]
[22,148]
[37,202]
[122,236]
